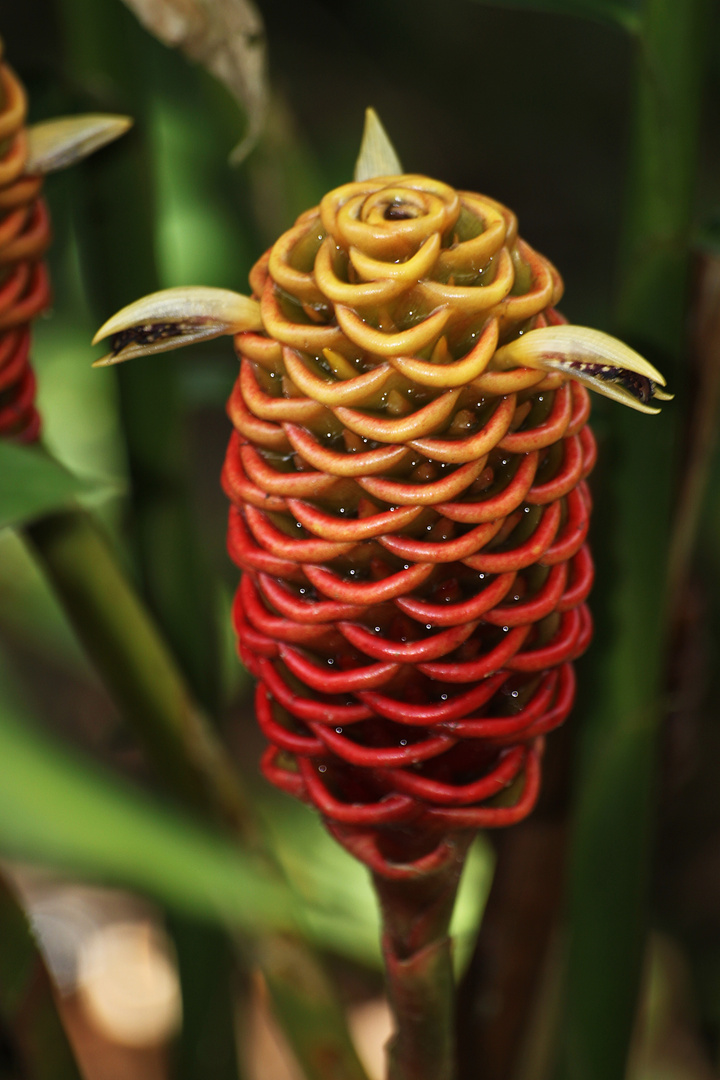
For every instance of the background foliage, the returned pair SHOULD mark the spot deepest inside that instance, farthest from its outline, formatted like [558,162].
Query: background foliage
[531,102]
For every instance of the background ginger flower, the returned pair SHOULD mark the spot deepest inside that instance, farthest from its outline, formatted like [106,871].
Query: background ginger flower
[25,236]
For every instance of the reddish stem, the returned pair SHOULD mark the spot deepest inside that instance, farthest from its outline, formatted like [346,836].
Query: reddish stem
[416,910]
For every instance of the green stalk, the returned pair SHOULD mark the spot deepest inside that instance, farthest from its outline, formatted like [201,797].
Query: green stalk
[136,665]
[617,767]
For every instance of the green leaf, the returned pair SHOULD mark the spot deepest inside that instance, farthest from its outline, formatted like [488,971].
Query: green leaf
[34,1039]
[61,810]
[307,1005]
[206,1045]
[616,773]
[32,484]
[616,12]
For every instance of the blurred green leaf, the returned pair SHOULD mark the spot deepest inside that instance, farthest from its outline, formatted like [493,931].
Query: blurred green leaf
[617,766]
[309,1011]
[61,810]
[32,484]
[616,12]
[108,50]
[33,1044]
[206,1045]
[228,37]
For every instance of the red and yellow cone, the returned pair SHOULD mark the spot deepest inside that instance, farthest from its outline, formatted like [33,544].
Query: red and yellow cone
[28,153]
[409,505]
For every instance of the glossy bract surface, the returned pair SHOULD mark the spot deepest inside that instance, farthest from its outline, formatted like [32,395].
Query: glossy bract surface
[410,522]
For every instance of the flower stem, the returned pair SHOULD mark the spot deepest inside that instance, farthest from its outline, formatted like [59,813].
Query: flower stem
[416,910]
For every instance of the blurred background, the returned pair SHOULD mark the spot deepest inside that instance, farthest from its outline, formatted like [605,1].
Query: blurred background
[534,109]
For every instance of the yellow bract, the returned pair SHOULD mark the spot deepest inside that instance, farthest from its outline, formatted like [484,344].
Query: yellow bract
[172,318]
[598,360]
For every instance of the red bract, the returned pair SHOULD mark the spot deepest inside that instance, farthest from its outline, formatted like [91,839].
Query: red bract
[409,520]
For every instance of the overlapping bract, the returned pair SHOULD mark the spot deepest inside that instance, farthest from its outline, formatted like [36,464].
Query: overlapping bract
[24,287]
[411,523]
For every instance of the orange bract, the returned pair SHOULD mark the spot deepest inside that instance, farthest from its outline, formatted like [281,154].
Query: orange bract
[410,522]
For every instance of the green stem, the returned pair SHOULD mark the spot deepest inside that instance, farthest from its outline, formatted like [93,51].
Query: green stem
[136,666]
[617,768]
[416,911]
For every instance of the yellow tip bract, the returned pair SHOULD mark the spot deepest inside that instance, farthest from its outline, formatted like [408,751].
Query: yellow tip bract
[598,360]
[377,156]
[172,318]
[57,144]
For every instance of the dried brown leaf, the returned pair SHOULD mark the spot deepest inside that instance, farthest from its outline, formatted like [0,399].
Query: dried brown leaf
[228,38]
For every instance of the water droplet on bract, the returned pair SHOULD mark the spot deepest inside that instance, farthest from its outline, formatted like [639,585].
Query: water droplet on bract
[339,730]
[377,629]
[428,626]
[303,591]
[322,768]
[443,697]
[505,629]
[403,742]
[515,693]
[331,661]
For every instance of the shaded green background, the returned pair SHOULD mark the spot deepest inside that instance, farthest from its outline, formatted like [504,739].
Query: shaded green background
[531,108]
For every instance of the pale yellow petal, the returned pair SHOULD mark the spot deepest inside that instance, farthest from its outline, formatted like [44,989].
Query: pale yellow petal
[598,360]
[56,144]
[172,318]
[377,156]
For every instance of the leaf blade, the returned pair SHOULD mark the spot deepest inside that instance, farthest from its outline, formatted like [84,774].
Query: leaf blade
[32,484]
[59,809]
